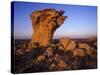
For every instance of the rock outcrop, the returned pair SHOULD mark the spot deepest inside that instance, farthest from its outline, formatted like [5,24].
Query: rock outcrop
[87,47]
[44,23]
[45,54]
[68,44]
[79,52]
[65,41]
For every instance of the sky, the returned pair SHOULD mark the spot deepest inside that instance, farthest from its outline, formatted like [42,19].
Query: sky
[81,21]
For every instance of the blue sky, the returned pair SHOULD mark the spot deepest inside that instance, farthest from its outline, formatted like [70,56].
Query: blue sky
[81,22]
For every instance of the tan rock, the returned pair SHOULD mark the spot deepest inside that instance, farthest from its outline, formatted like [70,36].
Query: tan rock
[64,42]
[52,45]
[86,46]
[61,47]
[44,23]
[41,58]
[49,52]
[71,46]
[79,52]
[61,65]
[68,44]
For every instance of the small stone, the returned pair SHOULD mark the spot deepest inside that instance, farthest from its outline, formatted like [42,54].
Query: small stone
[61,65]
[41,58]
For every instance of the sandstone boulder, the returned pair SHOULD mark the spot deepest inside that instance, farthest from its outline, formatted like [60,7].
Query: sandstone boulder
[68,44]
[61,65]
[64,42]
[87,47]
[71,46]
[79,52]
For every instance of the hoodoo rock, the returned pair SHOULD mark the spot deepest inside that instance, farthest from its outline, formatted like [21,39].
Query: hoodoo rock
[44,23]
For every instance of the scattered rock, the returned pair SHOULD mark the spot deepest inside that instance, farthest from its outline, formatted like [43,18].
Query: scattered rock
[48,52]
[41,58]
[61,65]
[19,52]
[86,46]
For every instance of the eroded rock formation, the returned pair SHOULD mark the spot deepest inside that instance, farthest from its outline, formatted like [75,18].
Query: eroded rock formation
[45,54]
[44,23]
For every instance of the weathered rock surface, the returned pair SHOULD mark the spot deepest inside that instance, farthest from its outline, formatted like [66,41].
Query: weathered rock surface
[44,23]
[41,58]
[79,52]
[49,52]
[65,42]
[46,54]
[68,44]
[87,47]
[61,65]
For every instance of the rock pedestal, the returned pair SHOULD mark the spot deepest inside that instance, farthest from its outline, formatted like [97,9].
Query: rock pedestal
[44,23]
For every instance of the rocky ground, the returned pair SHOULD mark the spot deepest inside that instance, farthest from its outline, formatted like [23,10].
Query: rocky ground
[43,54]
[62,54]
